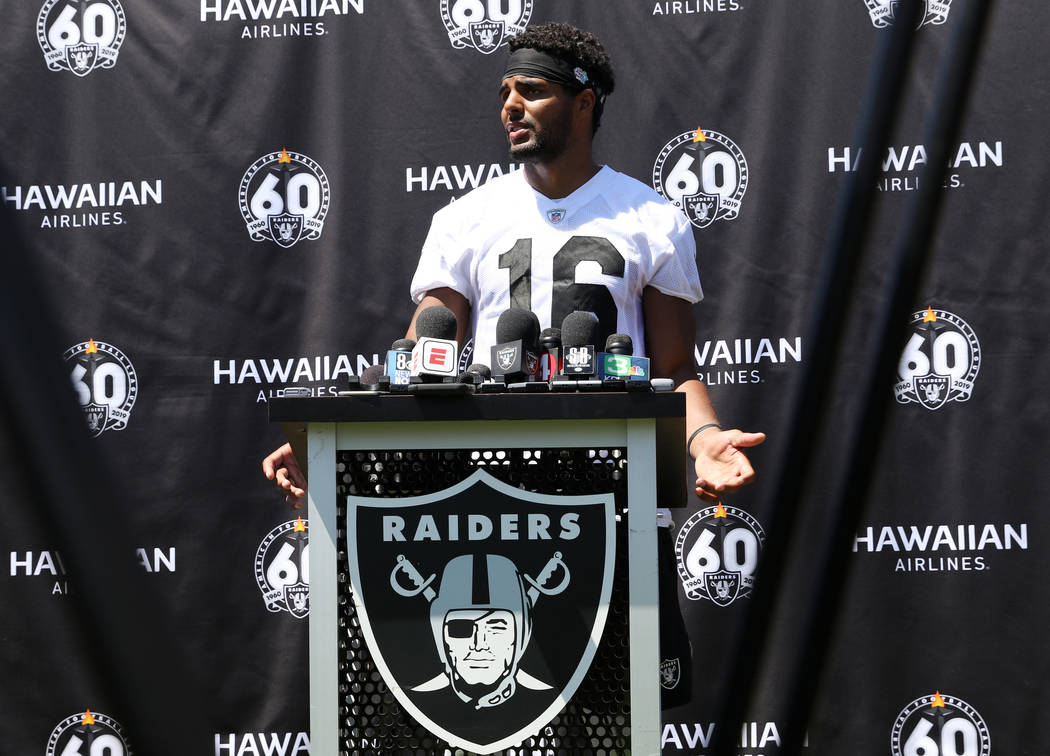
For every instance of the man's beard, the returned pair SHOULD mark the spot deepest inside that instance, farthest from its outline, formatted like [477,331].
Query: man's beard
[545,145]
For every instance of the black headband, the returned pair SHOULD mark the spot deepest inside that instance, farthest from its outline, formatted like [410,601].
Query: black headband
[528,62]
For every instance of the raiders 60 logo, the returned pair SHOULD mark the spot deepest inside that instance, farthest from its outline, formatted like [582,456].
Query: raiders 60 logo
[105,382]
[704,173]
[484,24]
[940,360]
[717,550]
[883,12]
[461,597]
[80,36]
[284,197]
[282,568]
[87,734]
[940,725]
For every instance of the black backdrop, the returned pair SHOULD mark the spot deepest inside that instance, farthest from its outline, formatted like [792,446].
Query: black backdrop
[387,111]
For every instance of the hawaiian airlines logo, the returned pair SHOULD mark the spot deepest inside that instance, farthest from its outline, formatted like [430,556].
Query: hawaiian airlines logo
[282,568]
[717,550]
[884,12]
[940,725]
[105,382]
[704,174]
[284,197]
[81,36]
[460,594]
[940,361]
[484,24]
[87,734]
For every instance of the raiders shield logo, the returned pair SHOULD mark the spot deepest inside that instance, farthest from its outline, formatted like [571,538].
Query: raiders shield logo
[670,673]
[722,586]
[81,58]
[487,36]
[297,599]
[701,208]
[285,228]
[96,416]
[506,358]
[932,390]
[482,604]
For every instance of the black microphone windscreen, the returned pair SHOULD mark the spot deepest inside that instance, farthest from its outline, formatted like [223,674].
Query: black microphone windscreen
[403,345]
[580,328]
[550,338]
[370,375]
[619,343]
[480,369]
[516,323]
[436,322]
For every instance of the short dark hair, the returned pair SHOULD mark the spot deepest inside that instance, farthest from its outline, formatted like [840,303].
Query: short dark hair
[576,47]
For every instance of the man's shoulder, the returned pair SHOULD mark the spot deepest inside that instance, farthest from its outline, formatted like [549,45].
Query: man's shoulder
[495,190]
[629,192]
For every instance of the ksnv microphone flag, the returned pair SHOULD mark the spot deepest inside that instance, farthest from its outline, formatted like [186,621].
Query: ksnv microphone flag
[434,355]
[399,361]
[514,356]
[579,334]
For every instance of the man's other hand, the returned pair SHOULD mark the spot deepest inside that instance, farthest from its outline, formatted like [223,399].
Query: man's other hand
[721,466]
[282,466]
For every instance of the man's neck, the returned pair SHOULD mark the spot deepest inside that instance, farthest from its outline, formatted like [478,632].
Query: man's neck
[562,176]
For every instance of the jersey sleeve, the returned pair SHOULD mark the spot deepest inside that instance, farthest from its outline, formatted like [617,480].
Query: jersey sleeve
[444,260]
[673,251]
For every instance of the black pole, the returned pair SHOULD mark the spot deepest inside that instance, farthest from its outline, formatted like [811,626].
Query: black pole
[908,260]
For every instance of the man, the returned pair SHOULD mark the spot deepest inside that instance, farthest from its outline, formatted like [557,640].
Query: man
[565,234]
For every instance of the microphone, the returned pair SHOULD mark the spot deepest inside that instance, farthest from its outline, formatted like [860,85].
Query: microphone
[514,357]
[399,362]
[475,375]
[550,353]
[579,333]
[434,355]
[619,369]
[373,379]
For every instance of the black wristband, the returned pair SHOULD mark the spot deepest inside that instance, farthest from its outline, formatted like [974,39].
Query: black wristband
[697,432]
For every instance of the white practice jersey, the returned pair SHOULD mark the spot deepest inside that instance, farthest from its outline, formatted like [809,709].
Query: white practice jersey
[506,245]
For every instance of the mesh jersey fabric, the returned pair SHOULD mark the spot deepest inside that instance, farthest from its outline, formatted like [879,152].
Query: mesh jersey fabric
[504,244]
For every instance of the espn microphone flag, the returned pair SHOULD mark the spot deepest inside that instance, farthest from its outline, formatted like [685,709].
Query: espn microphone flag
[434,355]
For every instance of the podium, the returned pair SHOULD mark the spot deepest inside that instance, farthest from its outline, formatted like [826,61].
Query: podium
[483,568]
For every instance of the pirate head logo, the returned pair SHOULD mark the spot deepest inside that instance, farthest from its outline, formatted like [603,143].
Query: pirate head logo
[462,597]
[484,25]
[481,619]
[81,36]
[940,360]
[704,173]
